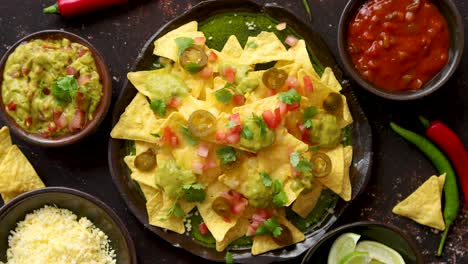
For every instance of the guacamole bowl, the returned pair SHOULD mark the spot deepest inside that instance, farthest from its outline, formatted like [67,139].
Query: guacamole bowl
[55,88]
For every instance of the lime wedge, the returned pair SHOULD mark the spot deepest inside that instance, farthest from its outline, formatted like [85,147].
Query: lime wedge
[343,246]
[380,252]
[356,258]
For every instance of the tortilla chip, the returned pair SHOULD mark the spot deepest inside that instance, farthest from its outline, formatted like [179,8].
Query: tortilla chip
[292,192]
[191,104]
[334,180]
[16,173]
[424,204]
[268,48]
[328,78]
[237,231]
[262,244]
[148,191]
[232,49]
[145,177]
[195,82]
[5,142]
[346,191]
[301,57]
[215,223]
[166,46]
[307,200]
[158,208]
[138,122]
[346,118]
[157,84]
[218,83]
[9,196]
[142,146]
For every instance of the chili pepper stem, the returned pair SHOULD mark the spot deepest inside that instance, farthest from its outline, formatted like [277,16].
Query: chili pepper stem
[53,9]
[424,121]
[442,240]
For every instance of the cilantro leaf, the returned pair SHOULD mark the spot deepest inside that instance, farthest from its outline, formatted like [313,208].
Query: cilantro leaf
[194,192]
[189,138]
[279,195]
[227,154]
[310,112]
[183,43]
[299,163]
[260,123]
[223,95]
[229,258]
[246,133]
[314,148]
[65,88]
[266,179]
[269,227]
[290,97]
[308,123]
[176,210]
[159,107]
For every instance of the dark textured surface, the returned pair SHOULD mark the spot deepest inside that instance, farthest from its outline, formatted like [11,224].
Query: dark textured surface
[120,33]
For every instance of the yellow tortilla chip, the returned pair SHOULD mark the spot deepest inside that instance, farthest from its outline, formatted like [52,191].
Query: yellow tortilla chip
[346,190]
[292,192]
[266,47]
[145,177]
[334,180]
[191,104]
[16,173]
[148,191]
[328,78]
[307,200]
[195,83]
[262,244]
[5,142]
[158,208]
[237,231]
[138,122]
[301,57]
[142,146]
[215,223]
[9,196]
[166,46]
[424,204]
[232,49]
[346,118]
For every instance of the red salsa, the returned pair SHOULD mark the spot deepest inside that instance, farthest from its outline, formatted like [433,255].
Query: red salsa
[398,44]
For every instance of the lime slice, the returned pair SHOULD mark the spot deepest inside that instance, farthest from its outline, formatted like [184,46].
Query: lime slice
[380,252]
[356,258]
[343,246]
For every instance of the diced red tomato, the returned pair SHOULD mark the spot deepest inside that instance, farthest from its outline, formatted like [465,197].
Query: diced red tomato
[281,26]
[278,114]
[212,56]
[238,99]
[84,79]
[229,74]
[197,167]
[11,106]
[308,86]
[236,119]
[220,136]
[203,228]
[270,119]
[210,164]
[206,72]
[301,127]
[80,100]
[70,70]
[237,202]
[174,103]
[260,216]
[291,40]
[200,41]
[52,127]
[82,52]
[60,119]
[271,92]
[292,82]
[203,150]
[283,109]
[292,107]
[233,138]
[169,137]
[28,121]
[78,120]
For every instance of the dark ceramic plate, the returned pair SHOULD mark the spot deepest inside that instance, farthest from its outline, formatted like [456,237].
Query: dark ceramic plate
[361,132]
[81,204]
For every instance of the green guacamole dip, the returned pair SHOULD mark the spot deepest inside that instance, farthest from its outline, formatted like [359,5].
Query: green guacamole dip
[51,87]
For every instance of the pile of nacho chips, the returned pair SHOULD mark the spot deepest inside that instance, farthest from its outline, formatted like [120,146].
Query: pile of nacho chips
[17,176]
[219,174]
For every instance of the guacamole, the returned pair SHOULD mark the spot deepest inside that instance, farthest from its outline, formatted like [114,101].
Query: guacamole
[326,131]
[256,135]
[259,195]
[171,178]
[51,87]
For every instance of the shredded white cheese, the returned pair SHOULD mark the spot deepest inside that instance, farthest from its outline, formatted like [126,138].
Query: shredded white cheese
[53,235]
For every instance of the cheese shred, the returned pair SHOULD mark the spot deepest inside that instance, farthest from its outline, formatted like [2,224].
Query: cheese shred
[55,236]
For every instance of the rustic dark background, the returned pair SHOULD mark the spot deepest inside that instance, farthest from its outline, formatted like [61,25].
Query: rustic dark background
[120,32]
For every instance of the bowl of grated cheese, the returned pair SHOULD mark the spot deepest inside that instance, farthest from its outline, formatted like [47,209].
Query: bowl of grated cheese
[62,225]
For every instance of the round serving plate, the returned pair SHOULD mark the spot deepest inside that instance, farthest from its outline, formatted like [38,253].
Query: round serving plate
[361,132]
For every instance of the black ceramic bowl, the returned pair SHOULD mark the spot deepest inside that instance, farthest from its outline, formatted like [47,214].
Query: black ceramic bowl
[81,204]
[455,26]
[100,111]
[379,232]
[361,133]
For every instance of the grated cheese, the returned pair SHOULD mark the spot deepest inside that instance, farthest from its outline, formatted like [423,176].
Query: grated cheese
[56,236]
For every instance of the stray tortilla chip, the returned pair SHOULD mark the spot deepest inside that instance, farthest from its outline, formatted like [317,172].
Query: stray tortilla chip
[215,223]
[158,208]
[266,47]
[5,142]
[328,78]
[16,173]
[138,122]
[307,200]
[237,231]
[166,46]
[262,244]
[346,190]
[334,180]
[232,49]
[424,204]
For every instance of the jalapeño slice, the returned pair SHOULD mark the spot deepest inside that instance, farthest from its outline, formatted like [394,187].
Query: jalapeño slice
[274,78]
[333,103]
[322,164]
[193,59]
[285,238]
[146,161]
[201,123]
[221,207]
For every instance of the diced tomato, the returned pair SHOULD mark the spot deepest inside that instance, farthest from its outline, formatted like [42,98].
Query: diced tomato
[294,172]
[270,119]
[292,107]
[200,41]
[306,136]
[174,103]
[210,164]
[278,114]
[206,72]
[212,56]
[84,79]
[203,228]
[292,82]
[60,119]
[80,100]
[301,127]
[308,86]
[169,137]
[283,109]
[82,52]
[260,216]
[203,150]
[25,70]
[233,138]
[78,120]
[221,136]
[236,119]
[11,106]
[271,92]
[291,40]
[281,26]
[52,127]
[237,202]
[227,220]
[197,167]
[28,121]
[238,99]
[70,70]
[229,74]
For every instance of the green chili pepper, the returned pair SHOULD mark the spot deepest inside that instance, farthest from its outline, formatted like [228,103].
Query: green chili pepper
[307,8]
[442,165]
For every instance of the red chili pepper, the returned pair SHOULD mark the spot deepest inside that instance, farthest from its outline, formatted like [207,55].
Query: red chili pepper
[70,8]
[453,147]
